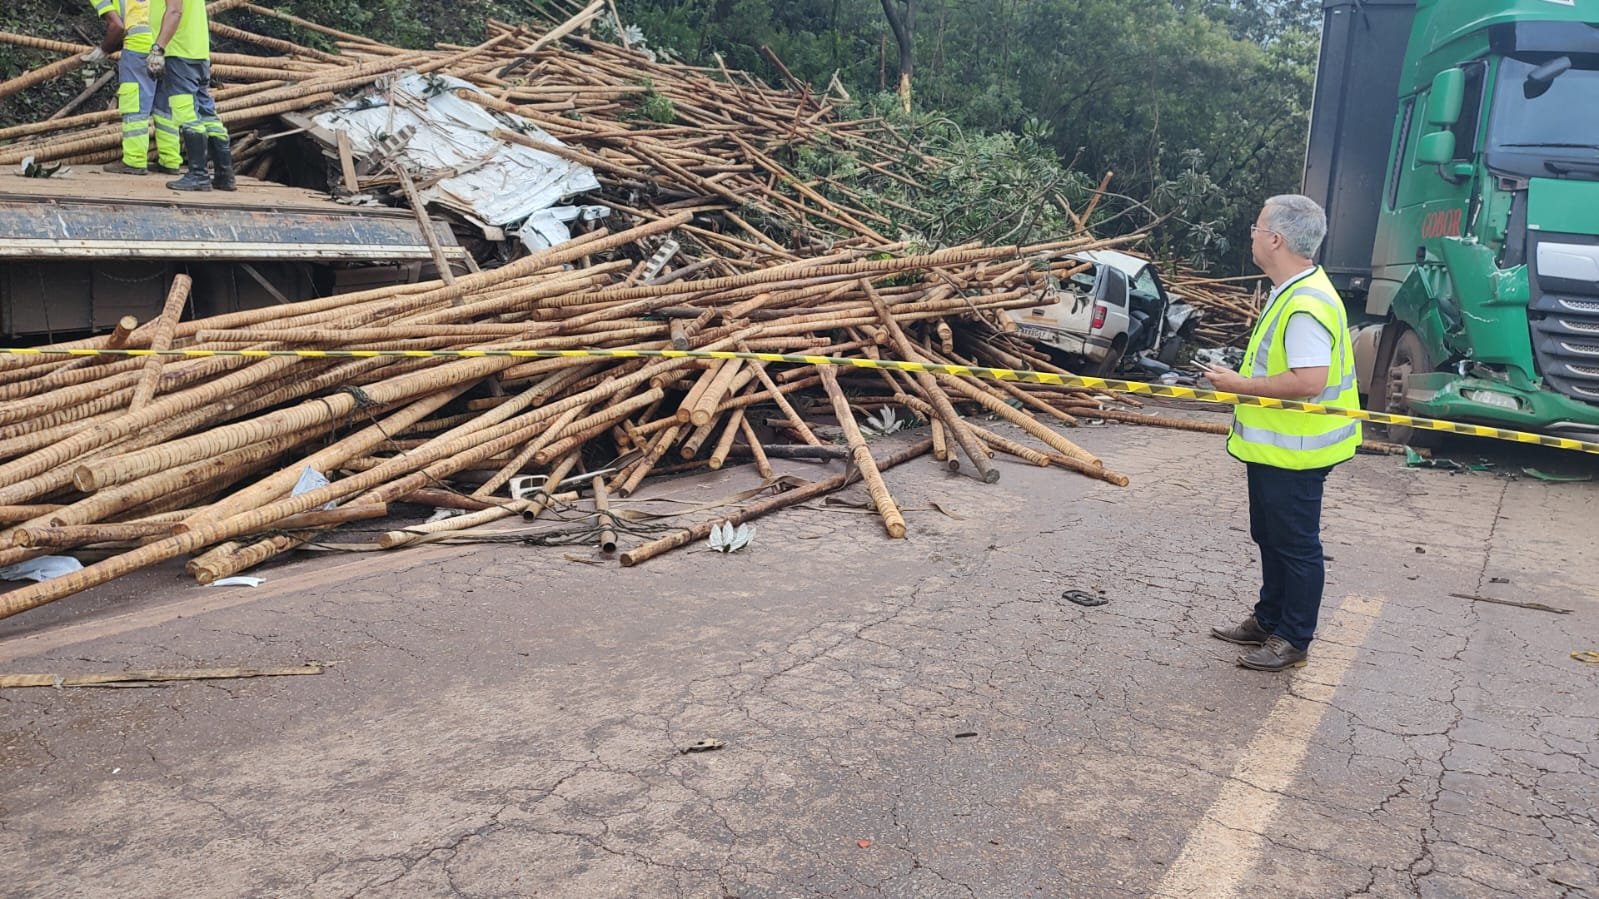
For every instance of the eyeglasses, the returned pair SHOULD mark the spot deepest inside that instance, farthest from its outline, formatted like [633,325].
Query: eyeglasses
[1256,228]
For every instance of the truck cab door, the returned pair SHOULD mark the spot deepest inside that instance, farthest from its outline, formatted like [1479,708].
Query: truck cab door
[1428,198]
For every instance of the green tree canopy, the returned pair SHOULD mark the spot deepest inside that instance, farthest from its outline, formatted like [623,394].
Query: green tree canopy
[1199,106]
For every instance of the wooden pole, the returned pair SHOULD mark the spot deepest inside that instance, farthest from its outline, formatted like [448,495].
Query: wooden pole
[161,340]
[882,500]
[644,553]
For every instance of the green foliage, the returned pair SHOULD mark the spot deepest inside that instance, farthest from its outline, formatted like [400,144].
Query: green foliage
[996,187]
[70,20]
[1198,106]
[657,108]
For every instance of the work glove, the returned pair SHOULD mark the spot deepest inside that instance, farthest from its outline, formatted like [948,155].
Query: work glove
[94,57]
[157,62]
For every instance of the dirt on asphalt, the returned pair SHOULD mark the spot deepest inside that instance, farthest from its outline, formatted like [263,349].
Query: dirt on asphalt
[925,717]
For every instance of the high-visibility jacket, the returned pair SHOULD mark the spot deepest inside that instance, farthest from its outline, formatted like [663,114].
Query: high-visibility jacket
[138,33]
[192,40]
[1284,438]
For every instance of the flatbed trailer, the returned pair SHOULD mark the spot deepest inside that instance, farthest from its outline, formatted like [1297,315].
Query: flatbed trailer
[79,252]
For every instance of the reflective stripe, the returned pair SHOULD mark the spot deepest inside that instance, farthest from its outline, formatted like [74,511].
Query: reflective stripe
[1261,361]
[166,146]
[1285,438]
[164,125]
[1333,392]
[101,7]
[1260,366]
[1319,294]
[1296,443]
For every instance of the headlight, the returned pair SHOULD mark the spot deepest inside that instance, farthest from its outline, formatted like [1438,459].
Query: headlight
[1493,398]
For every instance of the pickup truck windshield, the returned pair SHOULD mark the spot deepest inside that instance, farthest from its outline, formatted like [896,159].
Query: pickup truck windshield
[1545,135]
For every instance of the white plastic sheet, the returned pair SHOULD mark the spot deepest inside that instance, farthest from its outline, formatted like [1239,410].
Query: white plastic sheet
[40,569]
[240,580]
[490,181]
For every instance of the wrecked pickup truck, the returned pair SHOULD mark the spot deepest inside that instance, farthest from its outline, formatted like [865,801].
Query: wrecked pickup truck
[1112,313]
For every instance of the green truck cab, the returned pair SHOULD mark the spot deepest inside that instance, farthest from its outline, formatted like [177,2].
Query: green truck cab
[1455,146]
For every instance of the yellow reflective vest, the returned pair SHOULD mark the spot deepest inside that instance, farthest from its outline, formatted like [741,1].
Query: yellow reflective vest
[1284,438]
[138,36]
[193,38]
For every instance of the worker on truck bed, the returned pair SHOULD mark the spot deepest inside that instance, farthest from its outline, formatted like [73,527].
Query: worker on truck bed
[184,110]
[1299,351]
[128,26]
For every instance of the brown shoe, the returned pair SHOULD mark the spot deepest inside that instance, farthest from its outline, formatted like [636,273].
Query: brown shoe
[1249,633]
[121,168]
[1276,655]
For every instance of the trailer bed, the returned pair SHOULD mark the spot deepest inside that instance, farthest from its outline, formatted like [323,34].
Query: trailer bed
[88,215]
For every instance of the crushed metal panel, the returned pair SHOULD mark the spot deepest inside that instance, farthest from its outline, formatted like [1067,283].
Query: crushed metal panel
[486,180]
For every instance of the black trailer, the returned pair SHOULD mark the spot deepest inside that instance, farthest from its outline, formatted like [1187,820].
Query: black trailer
[1351,127]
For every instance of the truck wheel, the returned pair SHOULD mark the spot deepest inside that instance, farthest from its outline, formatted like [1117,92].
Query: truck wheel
[1409,356]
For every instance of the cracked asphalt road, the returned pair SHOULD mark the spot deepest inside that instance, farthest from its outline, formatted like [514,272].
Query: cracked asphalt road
[505,721]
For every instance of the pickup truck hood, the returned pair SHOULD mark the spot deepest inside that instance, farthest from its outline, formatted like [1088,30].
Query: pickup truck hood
[1566,207]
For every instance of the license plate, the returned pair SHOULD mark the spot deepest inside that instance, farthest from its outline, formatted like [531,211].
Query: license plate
[1038,334]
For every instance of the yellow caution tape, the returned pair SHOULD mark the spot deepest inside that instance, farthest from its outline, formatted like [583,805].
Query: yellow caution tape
[1136,388]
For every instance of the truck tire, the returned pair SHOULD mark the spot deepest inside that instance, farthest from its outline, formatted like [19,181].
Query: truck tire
[1408,356]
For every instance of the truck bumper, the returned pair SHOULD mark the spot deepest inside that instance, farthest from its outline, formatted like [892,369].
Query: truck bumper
[1447,396]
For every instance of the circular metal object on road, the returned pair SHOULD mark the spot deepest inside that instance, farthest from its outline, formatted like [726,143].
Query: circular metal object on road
[1084,598]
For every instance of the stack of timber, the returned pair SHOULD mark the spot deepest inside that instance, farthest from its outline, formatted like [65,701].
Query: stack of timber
[201,454]
[662,137]
[1231,306]
[713,245]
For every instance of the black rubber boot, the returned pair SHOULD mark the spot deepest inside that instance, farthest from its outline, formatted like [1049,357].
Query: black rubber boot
[194,153]
[221,163]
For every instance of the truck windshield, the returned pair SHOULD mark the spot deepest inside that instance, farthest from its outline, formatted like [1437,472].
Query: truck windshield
[1524,134]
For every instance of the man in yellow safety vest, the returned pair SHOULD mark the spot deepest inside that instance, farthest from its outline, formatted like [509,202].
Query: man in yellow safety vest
[184,109]
[128,27]
[1299,350]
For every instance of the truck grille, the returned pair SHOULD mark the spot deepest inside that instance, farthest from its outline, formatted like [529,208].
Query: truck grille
[1564,315]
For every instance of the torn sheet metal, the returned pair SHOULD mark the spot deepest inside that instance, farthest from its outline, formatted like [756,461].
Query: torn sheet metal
[488,181]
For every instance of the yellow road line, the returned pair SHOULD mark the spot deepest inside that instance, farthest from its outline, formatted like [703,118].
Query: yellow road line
[1222,850]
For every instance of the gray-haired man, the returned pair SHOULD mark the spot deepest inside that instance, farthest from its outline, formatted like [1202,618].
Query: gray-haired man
[1299,350]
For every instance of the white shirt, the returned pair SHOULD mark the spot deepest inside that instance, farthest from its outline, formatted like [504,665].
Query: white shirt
[1307,340]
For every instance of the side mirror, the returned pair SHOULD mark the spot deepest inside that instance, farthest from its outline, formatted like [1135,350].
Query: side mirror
[1110,287]
[1448,93]
[1436,148]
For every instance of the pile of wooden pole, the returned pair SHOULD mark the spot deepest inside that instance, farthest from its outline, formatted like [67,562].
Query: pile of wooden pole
[152,458]
[1230,306]
[134,461]
[720,149]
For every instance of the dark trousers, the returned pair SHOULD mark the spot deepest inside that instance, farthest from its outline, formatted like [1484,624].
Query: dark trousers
[1285,520]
